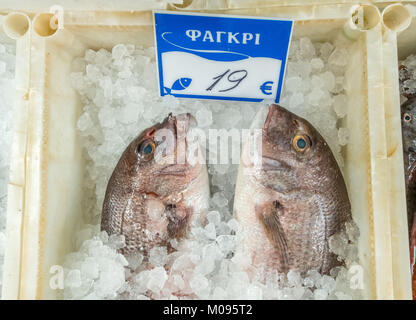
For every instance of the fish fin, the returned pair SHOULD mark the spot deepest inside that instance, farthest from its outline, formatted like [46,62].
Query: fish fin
[269,217]
[167,90]
[178,216]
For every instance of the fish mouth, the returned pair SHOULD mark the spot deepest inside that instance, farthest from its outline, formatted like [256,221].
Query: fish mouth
[180,123]
[184,122]
[274,114]
[179,127]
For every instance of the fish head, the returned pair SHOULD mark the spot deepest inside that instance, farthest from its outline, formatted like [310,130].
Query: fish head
[156,160]
[294,154]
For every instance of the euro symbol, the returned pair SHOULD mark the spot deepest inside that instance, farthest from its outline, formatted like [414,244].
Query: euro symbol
[266,87]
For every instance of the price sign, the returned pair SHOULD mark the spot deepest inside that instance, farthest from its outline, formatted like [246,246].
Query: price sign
[220,56]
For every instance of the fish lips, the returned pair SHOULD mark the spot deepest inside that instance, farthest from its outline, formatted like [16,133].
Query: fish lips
[171,136]
[180,123]
[275,117]
[184,122]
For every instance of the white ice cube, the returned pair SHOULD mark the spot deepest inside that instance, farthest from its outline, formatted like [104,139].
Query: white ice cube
[73,278]
[343,136]
[339,57]
[293,84]
[199,284]
[317,64]
[158,256]
[226,243]
[307,49]
[219,199]
[214,217]
[84,122]
[134,260]
[157,279]
[340,105]
[320,294]
[119,51]
[89,268]
[326,50]
[203,117]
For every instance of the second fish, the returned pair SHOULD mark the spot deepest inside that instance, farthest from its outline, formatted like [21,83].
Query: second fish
[292,203]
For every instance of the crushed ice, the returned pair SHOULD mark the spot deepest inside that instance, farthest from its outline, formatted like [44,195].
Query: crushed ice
[7,64]
[117,89]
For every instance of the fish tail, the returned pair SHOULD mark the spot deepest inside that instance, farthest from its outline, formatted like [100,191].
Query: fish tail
[167,90]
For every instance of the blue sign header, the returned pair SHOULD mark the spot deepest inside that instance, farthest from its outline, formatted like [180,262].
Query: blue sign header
[221,56]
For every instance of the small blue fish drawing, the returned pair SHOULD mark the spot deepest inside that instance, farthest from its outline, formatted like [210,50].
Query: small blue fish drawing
[180,84]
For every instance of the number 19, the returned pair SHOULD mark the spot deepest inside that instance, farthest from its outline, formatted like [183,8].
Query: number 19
[234,77]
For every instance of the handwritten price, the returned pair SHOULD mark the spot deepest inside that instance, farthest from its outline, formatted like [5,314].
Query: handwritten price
[235,78]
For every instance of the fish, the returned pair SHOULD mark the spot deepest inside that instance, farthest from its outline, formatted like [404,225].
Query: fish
[154,191]
[408,114]
[293,200]
[179,84]
[404,75]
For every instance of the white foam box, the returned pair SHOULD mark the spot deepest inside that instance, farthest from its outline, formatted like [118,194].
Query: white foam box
[399,41]
[50,205]
[241,4]
[77,5]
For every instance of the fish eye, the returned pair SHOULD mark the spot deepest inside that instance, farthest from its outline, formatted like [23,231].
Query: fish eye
[407,117]
[146,149]
[301,143]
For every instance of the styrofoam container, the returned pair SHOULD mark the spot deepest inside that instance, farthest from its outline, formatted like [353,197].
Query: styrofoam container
[48,206]
[60,6]
[15,30]
[399,41]
[375,223]
[241,4]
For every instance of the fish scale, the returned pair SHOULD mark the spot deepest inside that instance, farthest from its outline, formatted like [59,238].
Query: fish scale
[152,196]
[308,185]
